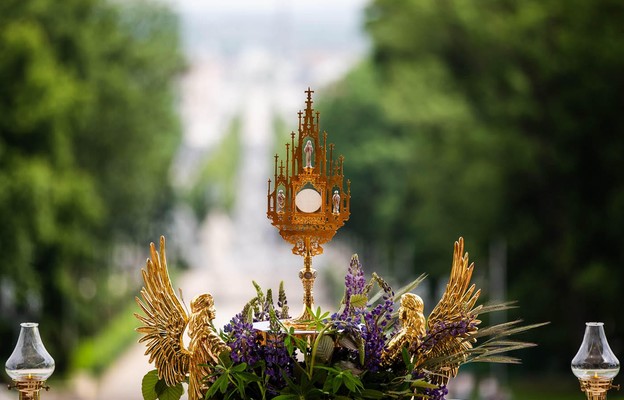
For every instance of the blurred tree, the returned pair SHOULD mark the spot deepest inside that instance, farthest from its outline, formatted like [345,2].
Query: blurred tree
[497,120]
[87,135]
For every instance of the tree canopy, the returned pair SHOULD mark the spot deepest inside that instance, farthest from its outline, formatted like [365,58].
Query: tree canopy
[496,120]
[88,131]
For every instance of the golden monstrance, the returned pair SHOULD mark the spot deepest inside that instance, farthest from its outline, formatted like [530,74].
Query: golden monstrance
[307,201]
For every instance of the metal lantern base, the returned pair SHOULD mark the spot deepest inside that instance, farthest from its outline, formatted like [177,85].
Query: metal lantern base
[596,387]
[29,389]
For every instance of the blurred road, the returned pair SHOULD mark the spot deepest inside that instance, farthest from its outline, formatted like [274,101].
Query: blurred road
[258,70]
[230,252]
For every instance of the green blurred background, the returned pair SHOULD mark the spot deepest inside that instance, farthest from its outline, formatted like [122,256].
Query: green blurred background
[499,121]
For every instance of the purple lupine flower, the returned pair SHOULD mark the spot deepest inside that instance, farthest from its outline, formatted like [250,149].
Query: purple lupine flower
[282,302]
[355,284]
[242,340]
[369,325]
[442,330]
[375,321]
[275,355]
[373,342]
[259,313]
[349,320]
[354,280]
[438,393]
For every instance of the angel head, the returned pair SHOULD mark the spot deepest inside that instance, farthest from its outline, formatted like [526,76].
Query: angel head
[203,303]
[410,303]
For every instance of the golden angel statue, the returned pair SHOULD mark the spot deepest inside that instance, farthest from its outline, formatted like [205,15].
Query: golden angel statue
[425,339]
[165,322]
[413,325]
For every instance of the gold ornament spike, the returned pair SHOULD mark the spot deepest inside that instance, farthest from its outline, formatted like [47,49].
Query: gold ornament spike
[165,322]
[308,202]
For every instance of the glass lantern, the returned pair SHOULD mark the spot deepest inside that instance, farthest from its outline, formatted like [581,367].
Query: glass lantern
[30,364]
[595,365]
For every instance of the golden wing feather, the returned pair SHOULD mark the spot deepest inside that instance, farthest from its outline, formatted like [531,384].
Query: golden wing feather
[459,297]
[456,305]
[164,321]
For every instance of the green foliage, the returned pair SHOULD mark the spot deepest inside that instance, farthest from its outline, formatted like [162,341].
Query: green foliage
[495,120]
[216,181]
[96,353]
[154,388]
[330,363]
[87,135]
[232,379]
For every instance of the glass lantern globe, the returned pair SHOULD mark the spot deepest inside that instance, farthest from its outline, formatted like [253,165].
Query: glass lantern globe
[595,365]
[30,361]
[595,358]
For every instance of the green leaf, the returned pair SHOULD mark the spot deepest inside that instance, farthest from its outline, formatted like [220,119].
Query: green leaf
[154,388]
[325,348]
[214,388]
[223,382]
[172,392]
[421,383]
[239,367]
[372,394]
[358,300]
[406,358]
[350,384]
[362,351]
[161,386]
[328,384]
[225,358]
[320,315]
[148,385]
[248,376]
[336,383]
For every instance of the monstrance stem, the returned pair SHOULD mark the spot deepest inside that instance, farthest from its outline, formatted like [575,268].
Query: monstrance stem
[307,275]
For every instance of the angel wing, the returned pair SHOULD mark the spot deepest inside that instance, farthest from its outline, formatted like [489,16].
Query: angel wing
[164,321]
[454,311]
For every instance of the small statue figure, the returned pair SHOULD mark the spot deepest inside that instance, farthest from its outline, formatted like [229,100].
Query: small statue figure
[336,202]
[163,327]
[308,150]
[281,200]
[413,326]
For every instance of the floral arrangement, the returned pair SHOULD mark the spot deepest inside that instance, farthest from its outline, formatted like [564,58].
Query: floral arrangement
[371,348]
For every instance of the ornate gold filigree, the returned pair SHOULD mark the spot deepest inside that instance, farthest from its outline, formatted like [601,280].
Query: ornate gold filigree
[165,322]
[308,202]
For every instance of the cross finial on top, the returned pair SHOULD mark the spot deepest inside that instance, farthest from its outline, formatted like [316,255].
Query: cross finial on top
[309,100]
